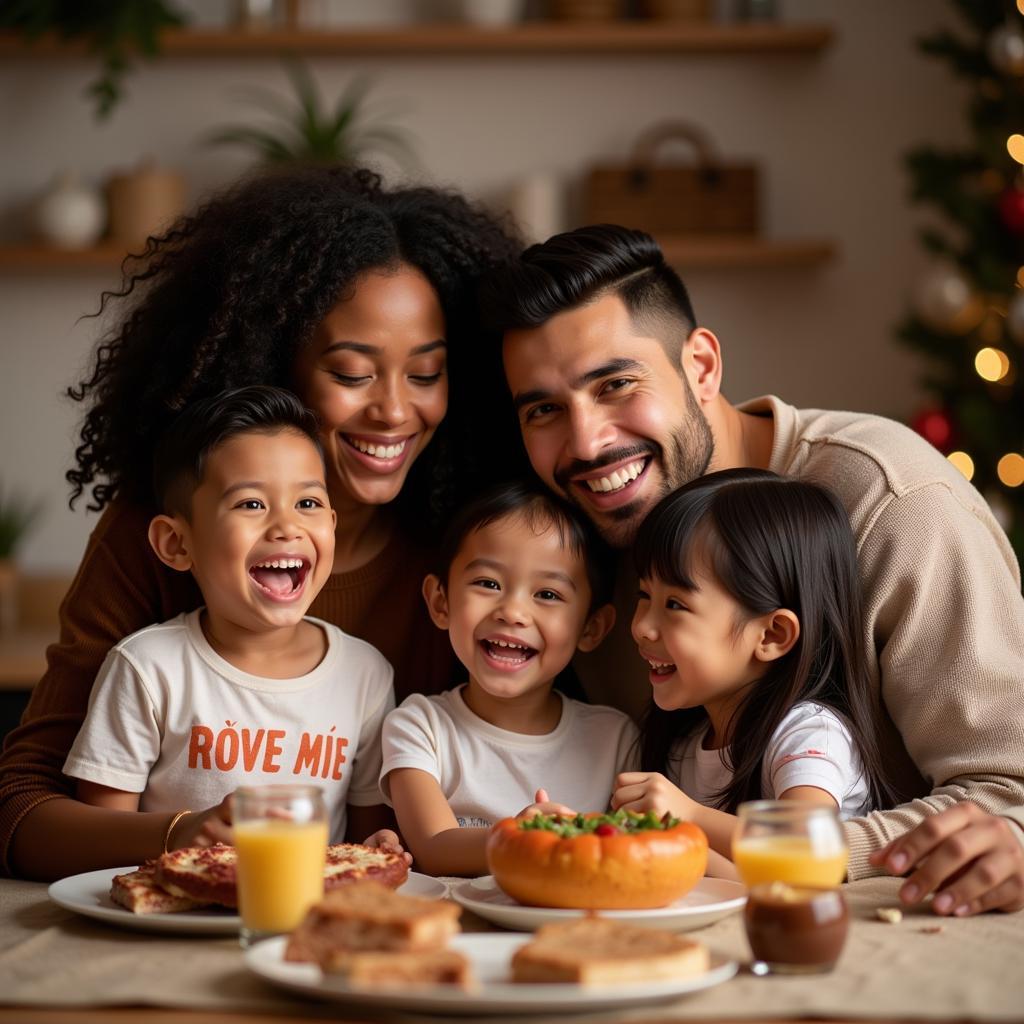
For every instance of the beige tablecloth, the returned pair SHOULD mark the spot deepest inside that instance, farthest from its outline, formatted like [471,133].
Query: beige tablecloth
[923,967]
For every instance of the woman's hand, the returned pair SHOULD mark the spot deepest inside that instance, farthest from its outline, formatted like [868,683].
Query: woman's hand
[387,839]
[203,828]
[542,804]
[651,791]
[973,861]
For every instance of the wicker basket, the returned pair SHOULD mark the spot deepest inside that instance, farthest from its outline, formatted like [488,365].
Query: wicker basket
[706,197]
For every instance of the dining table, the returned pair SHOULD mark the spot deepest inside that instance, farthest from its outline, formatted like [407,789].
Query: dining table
[60,967]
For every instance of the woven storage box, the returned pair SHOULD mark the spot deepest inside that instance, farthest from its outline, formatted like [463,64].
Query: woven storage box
[706,196]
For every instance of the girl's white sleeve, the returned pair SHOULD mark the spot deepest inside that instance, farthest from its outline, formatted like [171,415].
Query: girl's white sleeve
[811,747]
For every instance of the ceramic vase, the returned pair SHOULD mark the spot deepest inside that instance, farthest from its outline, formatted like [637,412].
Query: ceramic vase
[71,215]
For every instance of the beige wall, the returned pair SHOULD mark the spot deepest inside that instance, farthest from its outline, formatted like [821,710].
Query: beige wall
[828,131]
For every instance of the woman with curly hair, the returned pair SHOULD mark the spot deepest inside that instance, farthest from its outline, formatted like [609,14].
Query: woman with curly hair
[361,300]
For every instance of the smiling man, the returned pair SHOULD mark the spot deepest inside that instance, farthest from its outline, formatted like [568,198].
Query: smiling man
[617,391]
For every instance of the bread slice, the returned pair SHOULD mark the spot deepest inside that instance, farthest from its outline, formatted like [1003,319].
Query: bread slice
[210,873]
[138,892]
[368,916]
[353,862]
[391,969]
[205,873]
[596,951]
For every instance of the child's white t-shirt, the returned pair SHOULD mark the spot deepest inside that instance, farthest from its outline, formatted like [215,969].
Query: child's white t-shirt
[171,719]
[487,773]
[811,747]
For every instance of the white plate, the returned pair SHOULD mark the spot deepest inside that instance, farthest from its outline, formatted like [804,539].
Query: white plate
[89,894]
[489,956]
[709,900]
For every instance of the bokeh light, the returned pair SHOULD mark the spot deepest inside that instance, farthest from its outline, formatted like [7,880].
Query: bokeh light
[992,364]
[1010,469]
[1015,147]
[963,462]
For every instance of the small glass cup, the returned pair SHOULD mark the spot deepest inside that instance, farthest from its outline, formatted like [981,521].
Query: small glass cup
[280,835]
[795,929]
[786,841]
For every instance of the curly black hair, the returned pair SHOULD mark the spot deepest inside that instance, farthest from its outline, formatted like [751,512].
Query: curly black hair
[229,295]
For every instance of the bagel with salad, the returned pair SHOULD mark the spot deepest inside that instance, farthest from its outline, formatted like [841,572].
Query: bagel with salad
[619,861]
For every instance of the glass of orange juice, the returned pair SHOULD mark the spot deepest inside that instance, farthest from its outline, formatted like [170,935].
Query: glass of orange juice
[788,841]
[280,835]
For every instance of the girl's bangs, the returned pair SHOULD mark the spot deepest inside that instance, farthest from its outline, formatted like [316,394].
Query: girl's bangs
[673,540]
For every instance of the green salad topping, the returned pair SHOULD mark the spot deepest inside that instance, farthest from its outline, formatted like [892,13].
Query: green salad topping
[616,823]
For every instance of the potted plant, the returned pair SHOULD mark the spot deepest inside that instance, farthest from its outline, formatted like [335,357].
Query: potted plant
[18,515]
[307,130]
[113,30]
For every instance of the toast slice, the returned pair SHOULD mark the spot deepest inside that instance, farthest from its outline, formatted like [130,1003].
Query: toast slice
[139,892]
[205,873]
[209,873]
[368,916]
[353,862]
[391,969]
[599,952]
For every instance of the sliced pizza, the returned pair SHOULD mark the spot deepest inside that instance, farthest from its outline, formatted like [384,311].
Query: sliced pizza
[139,892]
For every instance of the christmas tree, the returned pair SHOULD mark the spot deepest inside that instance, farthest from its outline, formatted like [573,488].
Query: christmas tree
[968,318]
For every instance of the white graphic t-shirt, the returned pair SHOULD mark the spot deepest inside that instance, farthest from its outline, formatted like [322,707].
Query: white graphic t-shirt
[487,773]
[171,719]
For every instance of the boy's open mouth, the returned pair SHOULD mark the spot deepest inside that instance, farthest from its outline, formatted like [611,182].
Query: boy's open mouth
[508,652]
[280,577]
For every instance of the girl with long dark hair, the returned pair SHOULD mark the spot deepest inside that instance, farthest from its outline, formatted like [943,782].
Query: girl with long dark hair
[749,616]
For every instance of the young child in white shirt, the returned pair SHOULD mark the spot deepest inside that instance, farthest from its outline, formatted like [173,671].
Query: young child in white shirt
[521,585]
[245,690]
[749,616]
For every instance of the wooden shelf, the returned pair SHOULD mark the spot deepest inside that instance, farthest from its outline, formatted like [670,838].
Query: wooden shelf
[36,258]
[739,252]
[625,37]
[685,253]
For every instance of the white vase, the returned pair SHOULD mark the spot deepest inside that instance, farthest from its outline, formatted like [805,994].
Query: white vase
[71,215]
[537,203]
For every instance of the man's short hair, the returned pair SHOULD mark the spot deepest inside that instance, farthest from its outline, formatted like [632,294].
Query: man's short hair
[578,267]
[202,426]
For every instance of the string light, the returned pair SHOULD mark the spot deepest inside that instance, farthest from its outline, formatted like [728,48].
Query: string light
[1020,6]
[1020,273]
[1015,147]
[963,462]
[1010,470]
[992,364]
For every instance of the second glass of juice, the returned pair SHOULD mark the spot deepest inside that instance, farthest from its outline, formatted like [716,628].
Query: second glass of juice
[786,841]
[280,835]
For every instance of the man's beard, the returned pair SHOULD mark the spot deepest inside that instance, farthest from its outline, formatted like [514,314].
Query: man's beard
[687,457]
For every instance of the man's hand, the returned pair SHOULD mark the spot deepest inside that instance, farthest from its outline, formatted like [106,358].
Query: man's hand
[203,828]
[651,791]
[387,839]
[542,804]
[971,860]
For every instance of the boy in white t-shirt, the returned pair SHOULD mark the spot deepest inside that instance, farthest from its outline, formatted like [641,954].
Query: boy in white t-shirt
[521,586]
[245,690]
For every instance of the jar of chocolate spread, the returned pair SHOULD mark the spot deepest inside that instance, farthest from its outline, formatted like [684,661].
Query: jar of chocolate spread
[795,929]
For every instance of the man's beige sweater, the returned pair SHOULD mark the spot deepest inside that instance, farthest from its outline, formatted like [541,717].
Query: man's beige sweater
[944,617]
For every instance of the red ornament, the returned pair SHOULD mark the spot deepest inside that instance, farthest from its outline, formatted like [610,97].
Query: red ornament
[936,427]
[1011,210]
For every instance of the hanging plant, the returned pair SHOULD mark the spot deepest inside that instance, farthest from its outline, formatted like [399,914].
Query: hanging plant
[113,30]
